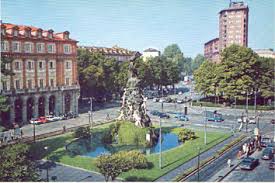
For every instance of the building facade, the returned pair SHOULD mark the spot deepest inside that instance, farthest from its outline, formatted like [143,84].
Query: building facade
[233,29]
[211,50]
[267,53]
[119,54]
[233,25]
[44,67]
[150,53]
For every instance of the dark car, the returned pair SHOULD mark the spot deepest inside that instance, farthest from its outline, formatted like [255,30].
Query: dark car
[163,115]
[265,141]
[267,154]
[272,121]
[155,113]
[272,163]
[182,117]
[249,163]
[271,146]
[168,100]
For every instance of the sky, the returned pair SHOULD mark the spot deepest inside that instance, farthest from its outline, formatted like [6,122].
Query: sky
[139,24]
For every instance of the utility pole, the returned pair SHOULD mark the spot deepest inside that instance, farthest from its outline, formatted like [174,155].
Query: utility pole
[255,102]
[33,132]
[247,103]
[91,112]
[160,138]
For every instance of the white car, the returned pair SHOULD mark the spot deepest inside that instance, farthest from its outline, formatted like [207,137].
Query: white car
[252,120]
[239,120]
[161,100]
[50,118]
[34,120]
[180,101]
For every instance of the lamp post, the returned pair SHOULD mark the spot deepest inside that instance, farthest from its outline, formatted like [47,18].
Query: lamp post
[205,121]
[199,164]
[47,167]
[255,101]
[160,138]
[62,103]
[33,132]
[246,103]
[91,109]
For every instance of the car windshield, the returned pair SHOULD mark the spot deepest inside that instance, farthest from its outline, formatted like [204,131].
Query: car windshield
[266,140]
[247,160]
[267,150]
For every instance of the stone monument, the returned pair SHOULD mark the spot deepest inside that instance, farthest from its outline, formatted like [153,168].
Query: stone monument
[133,101]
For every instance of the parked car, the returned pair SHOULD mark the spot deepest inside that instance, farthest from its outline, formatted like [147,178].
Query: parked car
[34,120]
[252,120]
[214,116]
[155,112]
[182,117]
[249,163]
[180,101]
[267,154]
[161,100]
[272,121]
[51,118]
[155,99]
[272,163]
[271,146]
[163,115]
[265,141]
[168,100]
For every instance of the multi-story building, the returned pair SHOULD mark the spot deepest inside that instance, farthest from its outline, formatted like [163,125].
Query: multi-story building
[119,54]
[150,53]
[233,29]
[267,53]
[211,50]
[233,25]
[44,66]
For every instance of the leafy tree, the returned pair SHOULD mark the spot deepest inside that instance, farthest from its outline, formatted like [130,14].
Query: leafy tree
[240,74]
[16,164]
[198,60]
[82,132]
[171,51]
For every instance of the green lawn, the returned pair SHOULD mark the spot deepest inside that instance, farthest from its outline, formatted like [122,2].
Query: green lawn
[171,158]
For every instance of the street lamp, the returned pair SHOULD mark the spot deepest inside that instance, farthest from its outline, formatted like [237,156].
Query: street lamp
[47,167]
[91,109]
[199,164]
[160,138]
[62,103]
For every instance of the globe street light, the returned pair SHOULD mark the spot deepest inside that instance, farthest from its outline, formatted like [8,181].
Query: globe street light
[47,167]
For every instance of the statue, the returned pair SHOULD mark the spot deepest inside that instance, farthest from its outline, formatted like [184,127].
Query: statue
[133,102]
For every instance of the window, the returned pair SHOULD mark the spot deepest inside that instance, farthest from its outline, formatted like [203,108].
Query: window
[68,65]
[28,47]
[17,84]
[39,34]
[29,83]
[67,81]
[15,32]
[30,65]
[40,47]
[40,65]
[4,84]
[15,46]
[41,83]
[52,82]
[27,33]
[3,31]
[4,46]
[17,65]
[51,65]
[67,48]
[51,48]
[7,66]
[50,35]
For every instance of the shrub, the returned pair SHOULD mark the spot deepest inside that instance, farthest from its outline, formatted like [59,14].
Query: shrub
[107,138]
[111,166]
[186,134]
[82,132]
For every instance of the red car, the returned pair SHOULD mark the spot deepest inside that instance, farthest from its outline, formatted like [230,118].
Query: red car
[38,121]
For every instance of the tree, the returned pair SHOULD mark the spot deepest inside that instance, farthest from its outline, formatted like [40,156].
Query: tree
[240,71]
[198,60]
[171,51]
[206,77]
[16,164]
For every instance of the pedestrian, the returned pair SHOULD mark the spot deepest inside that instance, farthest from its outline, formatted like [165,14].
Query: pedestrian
[64,129]
[21,132]
[229,163]
[107,116]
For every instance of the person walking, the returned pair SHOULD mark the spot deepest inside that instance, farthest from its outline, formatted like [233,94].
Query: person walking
[229,163]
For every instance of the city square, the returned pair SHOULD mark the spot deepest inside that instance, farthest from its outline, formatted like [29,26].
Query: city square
[76,108]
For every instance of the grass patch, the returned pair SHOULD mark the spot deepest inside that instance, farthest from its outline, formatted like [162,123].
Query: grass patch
[129,134]
[171,158]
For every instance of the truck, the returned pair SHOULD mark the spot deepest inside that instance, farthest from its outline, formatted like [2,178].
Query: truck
[213,116]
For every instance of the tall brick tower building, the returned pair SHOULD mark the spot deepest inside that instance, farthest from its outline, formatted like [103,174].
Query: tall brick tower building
[44,67]
[233,25]
[233,29]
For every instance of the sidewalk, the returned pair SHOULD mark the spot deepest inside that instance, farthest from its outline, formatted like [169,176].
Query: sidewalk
[193,162]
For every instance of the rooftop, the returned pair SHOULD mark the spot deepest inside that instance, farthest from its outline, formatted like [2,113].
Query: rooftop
[115,50]
[151,50]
